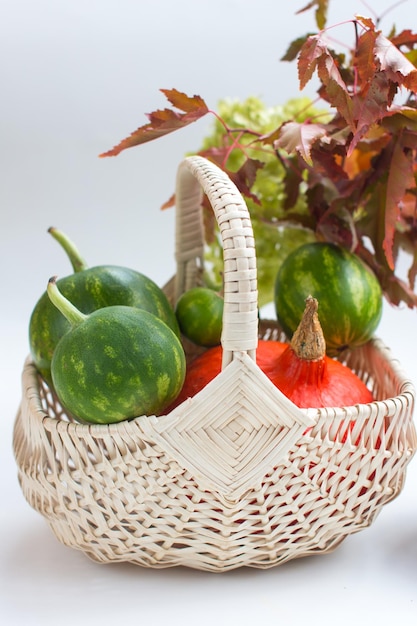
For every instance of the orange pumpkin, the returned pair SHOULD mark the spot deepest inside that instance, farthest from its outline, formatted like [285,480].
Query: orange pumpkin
[300,369]
[308,377]
[208,364]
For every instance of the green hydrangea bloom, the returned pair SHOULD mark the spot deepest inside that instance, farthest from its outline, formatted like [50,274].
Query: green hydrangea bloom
[275,235]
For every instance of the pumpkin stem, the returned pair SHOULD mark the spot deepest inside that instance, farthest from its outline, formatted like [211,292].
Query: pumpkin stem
[308,341]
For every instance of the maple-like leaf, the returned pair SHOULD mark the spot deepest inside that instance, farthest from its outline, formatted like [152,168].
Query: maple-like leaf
[398,68]
[296,137]
[292,182]
[295,47]
[245,177]
[400,179]
[367,22]
[315,55]
[337,226]
[336,90]
[370,107]
[365,56]
[310,52]
[165,121]
[327,170]
[405,38]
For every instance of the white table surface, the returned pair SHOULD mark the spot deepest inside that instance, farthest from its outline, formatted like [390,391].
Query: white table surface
[77,77]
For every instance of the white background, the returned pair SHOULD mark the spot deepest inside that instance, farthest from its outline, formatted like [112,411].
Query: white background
[76,77]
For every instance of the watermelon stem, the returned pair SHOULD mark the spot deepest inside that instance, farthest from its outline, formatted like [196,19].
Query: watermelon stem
[77,261]
[68,310]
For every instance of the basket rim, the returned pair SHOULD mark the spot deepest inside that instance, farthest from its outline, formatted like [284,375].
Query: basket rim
[407,394]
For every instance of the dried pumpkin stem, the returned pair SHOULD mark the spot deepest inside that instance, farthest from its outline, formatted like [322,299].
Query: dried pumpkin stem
[308,341]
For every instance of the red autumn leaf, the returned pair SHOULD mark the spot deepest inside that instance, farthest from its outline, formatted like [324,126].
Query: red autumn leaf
[405,38]
[398,68]
[365,56]
[315,54]
[391,60]
[336,89]
[366,22]
[310,52]
[337,225]
[292,182]
[165,121]
[328,168]
[246,176]
[296,137]
[370,107]
[400,179]
[194,106]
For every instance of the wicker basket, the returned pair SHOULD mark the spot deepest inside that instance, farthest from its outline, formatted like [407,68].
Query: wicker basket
[237,475]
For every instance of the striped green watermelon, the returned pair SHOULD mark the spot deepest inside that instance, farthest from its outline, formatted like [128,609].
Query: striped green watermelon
[348,293]
[199,314]
[116,363]
[91,289]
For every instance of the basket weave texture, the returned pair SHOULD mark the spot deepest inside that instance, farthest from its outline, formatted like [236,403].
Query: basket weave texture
[238,475]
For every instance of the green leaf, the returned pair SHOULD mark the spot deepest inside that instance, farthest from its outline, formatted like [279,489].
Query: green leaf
[294,48]
[321,11]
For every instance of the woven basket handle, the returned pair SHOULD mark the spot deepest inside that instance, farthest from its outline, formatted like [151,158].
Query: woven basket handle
[240,317]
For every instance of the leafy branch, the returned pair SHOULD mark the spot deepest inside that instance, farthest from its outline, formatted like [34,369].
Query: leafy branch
[346,173]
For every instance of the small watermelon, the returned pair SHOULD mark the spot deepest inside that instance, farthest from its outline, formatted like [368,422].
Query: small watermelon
[116,363]
[89,290]
[349,294]
[199,314]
